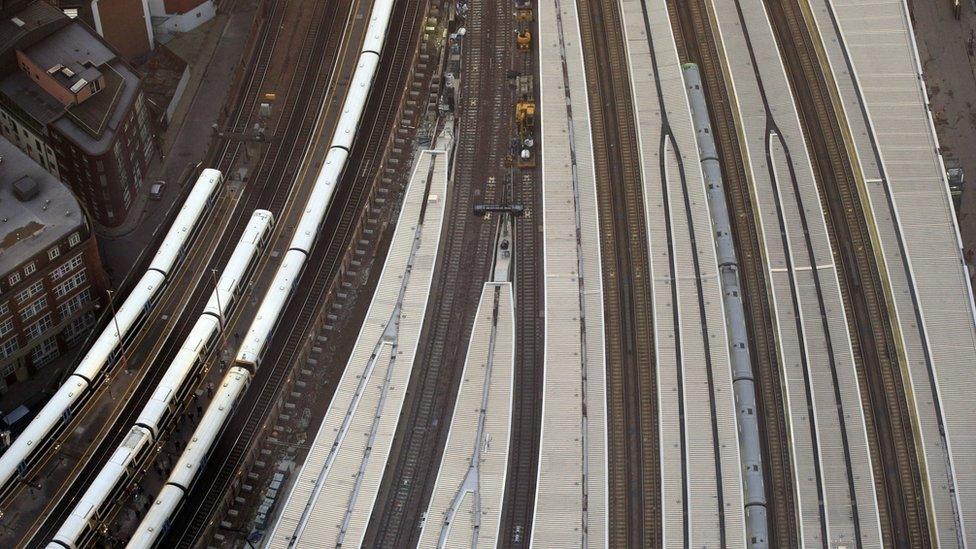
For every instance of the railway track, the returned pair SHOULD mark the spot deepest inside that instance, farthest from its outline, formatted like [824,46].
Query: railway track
[897,478]
[255,74]
[519,499]
[696,43]
[480,167]
[169,300]
[111,431]
[633,439]
[197,514]
[275,184]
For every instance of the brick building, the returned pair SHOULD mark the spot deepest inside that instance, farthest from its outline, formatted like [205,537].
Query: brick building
[76,107]
[125,24]
[51,277]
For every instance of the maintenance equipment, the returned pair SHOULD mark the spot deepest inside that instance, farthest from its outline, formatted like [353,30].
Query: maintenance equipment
[525,122]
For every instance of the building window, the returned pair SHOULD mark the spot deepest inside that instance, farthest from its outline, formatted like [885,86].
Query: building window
[30,292]
[36,329]
[66,267]
[29,269]
[74,304]
[35,307]
[14,278]
[65,287]
[4,308]
[8,348]
[53,253]
[75,331]
[9,368]
[45,352]
[6,327]
[74,240]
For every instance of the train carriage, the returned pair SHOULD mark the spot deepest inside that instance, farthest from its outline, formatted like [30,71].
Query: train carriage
[173,391]
[29,448]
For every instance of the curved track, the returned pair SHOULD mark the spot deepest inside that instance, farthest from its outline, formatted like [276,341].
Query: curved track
[696,43]
[633,440]
[231,450]
[273,183]
[897,477]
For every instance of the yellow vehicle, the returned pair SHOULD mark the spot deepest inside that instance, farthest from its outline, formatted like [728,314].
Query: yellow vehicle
[525,124]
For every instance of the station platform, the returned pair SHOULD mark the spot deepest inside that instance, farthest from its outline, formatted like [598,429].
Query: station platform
[701,480]
[466,504]
[332,497]
[571,495]
[835,492]
[874,60]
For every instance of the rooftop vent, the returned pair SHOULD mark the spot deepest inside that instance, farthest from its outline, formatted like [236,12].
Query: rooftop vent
[17,21]
[25,188]
[55,68]
[81,83]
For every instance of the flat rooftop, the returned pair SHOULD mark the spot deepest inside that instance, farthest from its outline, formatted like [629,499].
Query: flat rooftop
[31,225]
[71,54]
[35,16]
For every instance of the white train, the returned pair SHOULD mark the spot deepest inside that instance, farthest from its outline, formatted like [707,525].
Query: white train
[171,393]
[156,522]
[255,342]
[45,429]
[252,349]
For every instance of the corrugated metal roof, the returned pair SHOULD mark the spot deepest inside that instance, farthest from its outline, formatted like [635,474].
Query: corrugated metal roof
[879,41]
[559,509]
[793,284]
[666,193]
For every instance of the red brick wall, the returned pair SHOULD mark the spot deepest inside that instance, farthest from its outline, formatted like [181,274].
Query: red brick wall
[44,80]
[124,26]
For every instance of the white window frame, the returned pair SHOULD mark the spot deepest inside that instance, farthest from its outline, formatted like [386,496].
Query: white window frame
[46,320]
[65,287]
[67,267]
[53,253]
[8,348]
[6,327]
[33,309]
[30,292]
